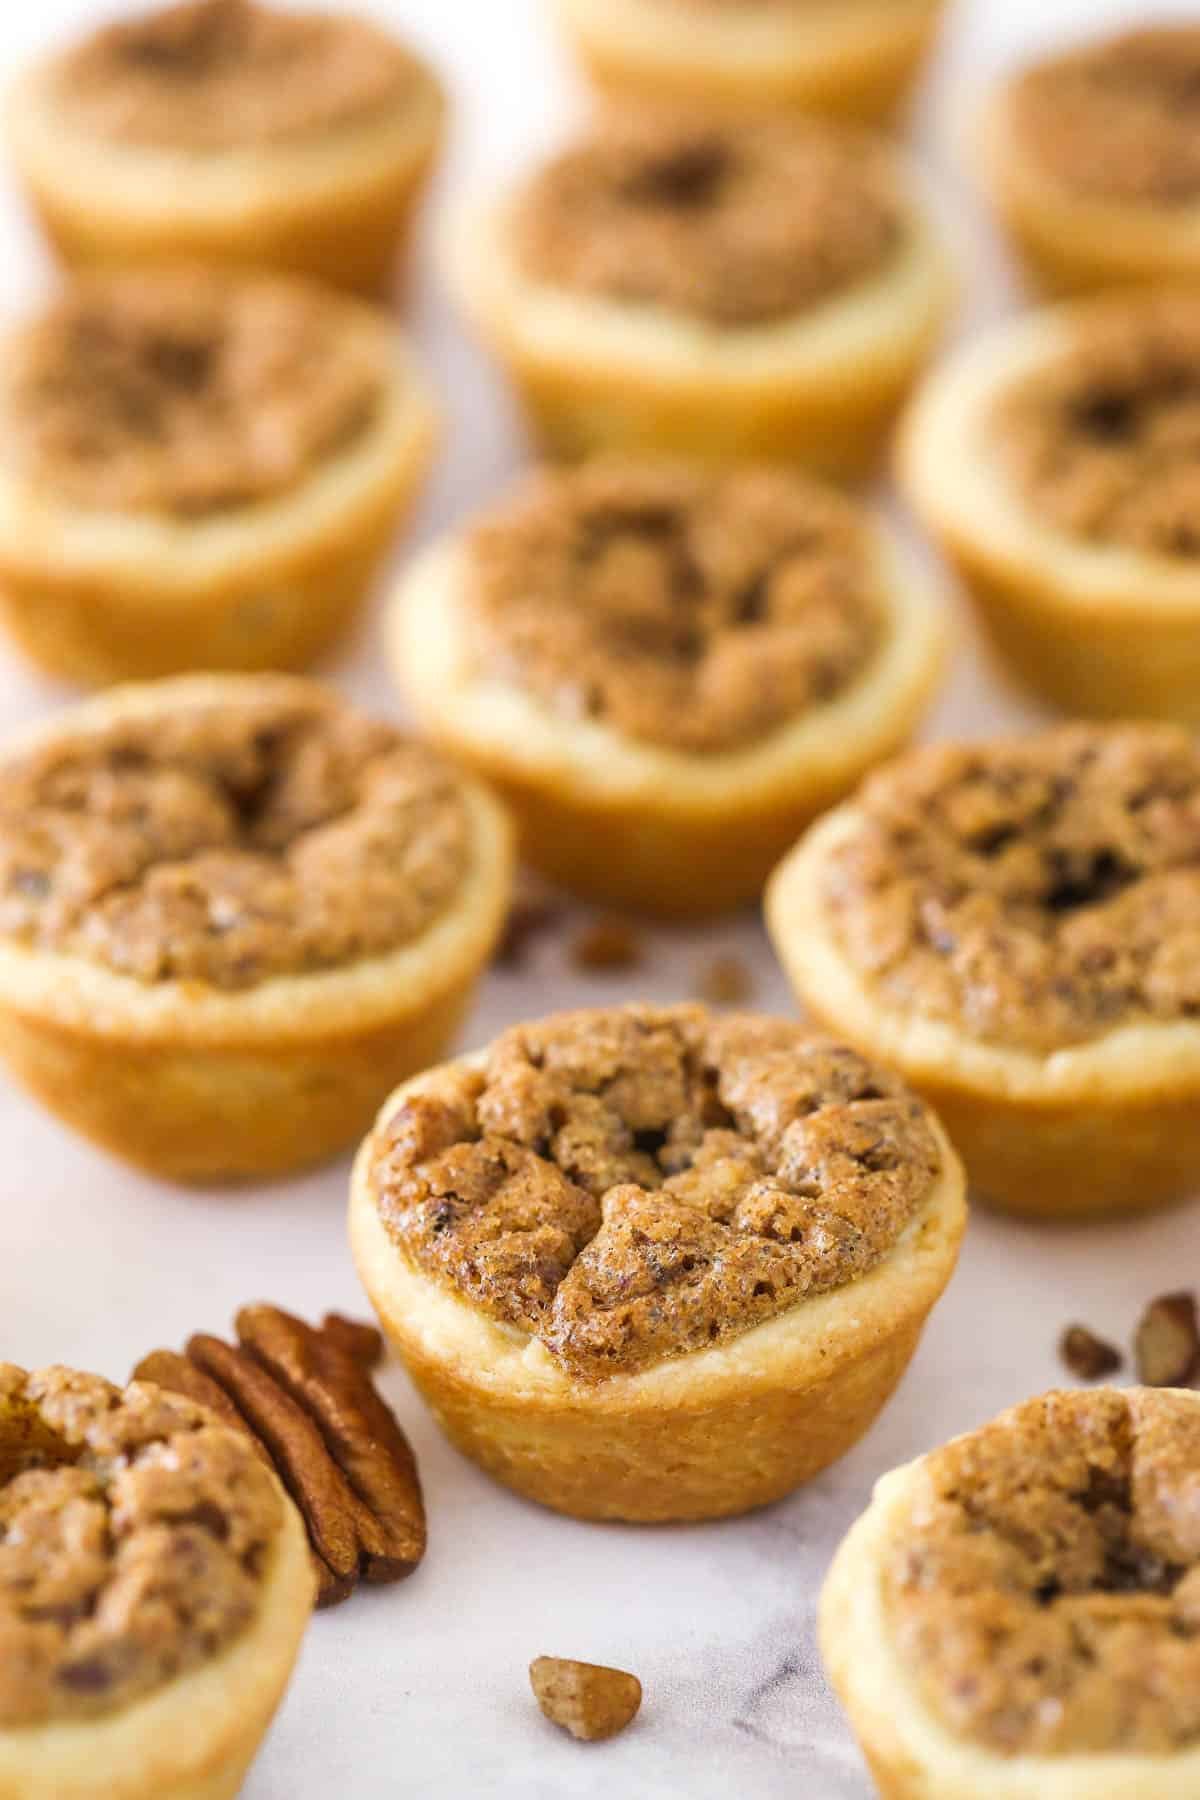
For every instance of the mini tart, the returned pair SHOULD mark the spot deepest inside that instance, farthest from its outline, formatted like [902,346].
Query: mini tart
[155,1583]
[1093,159]
[1017,1615]
[712,288]
[200,470]
[848,58]
[232,132]
[1055,462]
[233,913]
[652,1264]
[1015,927]
[667,673]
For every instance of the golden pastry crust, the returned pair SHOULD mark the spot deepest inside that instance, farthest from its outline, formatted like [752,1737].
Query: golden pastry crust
[855,60]
[167,1682]
[1093,161]
[1072,1085]
[816,385]
[191,1071]
[1066,1599]
[285,140]
[677,826]
[173,497]
[621,1331]
[1043,460]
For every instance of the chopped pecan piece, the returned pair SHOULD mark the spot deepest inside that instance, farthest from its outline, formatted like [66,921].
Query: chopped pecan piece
[1089,1358]
[725,981]
[535,910]
[586,1699]
[607,946]
[1167,1343]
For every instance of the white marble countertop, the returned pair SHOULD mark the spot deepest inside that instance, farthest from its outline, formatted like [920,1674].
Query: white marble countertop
[421,1689]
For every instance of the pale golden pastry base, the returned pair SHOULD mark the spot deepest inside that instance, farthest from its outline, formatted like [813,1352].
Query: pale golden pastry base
[1100,631]
[912,1755]
[635,825]
[196,1083]
[854,60]
[195,1737]
[339,210]
[1108,1126]
[97,598]
[820,390]
[702,1436]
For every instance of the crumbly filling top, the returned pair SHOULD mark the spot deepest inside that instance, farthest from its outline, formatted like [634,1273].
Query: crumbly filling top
[213,75]
[633,1184]
[185,391]
[693,610]
[229,843]
[1034,892]
[734,224]
[1044,1587]
[1117,120]
[134,1539]
[1104,442]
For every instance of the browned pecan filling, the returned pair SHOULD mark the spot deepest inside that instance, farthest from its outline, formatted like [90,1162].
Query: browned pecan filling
[1118,120]
[633,1184]
[229,843]
[185,391]
[697,611]
[1035,892]
[1104,442]
[211,75]
[1045,1583]
[733,224]
[134,1538]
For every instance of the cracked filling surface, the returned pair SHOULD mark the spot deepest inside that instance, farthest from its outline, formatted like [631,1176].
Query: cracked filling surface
[214,75]
[1118,120]
[1034,892]
[733,224]
[228,843]
[691,610]
[1044,1585]
[134,1540]
[186,391]
[633,1184]
[1103,442]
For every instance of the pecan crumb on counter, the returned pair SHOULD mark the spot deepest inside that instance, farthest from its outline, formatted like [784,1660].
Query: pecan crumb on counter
[732,223]
[134,1538]
[636,1183]
[1087,1356]
[586,1699]
[1167,1341]
[535,911]
[607,946]
[1044,1583]
[725,981]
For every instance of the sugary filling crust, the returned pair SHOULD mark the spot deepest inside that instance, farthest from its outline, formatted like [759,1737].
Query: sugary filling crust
[1117,120]
[697,611]
[1103,442]
[1044,1586]
[229,843]
[633,1184]
[185,391]
[213,75]
[736,224]
[134,1535]
[1034,892]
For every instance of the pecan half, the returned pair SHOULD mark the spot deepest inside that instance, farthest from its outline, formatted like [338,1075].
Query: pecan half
[305,1395]
[1167,1342]
[586,1699]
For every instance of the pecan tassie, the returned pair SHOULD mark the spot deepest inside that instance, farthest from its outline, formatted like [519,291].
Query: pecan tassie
[305,1396]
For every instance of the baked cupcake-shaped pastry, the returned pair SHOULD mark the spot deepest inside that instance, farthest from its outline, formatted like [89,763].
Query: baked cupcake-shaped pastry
[155,1584]
[1017,1615]
[1015,927]
[667,672]
[849,58]
[199,470]
[1057,462]
[719,288]
[651,1263]
[233,132]
[233,913]
[1093,158]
